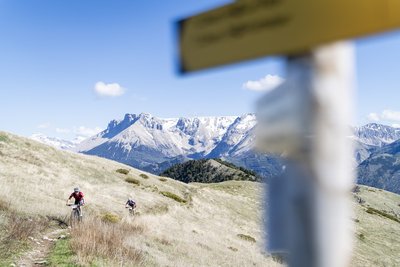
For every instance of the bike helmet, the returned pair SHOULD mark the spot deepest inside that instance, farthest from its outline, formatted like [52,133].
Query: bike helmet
[76,189]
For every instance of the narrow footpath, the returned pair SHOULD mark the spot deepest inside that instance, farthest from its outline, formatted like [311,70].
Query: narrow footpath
[37,256]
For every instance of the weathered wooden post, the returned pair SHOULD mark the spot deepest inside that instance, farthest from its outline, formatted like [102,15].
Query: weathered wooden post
[308,117]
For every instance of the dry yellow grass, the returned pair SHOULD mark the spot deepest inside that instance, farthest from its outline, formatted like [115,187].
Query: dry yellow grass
[204,231]
[201,232]
[95,239]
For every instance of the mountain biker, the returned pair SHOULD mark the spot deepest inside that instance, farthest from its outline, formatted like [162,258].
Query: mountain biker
[130,203]
[79,200]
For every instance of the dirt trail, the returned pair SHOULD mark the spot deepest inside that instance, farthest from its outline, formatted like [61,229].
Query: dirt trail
[37,256]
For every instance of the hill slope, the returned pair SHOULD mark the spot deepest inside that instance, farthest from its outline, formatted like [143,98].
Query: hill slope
[203,231]
[382,168]
[209,171]
[206,229]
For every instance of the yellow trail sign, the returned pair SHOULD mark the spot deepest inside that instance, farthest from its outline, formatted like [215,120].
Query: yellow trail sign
[255,28]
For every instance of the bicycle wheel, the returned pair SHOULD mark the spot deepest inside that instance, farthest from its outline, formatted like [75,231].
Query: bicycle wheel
[72,219]
[79,214]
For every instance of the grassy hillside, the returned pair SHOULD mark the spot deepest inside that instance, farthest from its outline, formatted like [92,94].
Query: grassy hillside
[205,229]
[179,224]
[377,217]
[209,171]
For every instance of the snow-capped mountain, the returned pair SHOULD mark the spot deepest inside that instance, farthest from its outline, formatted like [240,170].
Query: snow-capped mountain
[175,137]
[56,142]
[382,168]
[154,144]
[374,134]
[145,141]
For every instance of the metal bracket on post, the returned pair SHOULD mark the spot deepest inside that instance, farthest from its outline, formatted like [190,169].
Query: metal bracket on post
[307,119]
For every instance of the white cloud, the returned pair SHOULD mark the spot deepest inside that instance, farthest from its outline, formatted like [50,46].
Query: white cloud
[109,89]
[390,115]
[373,117]
[44,125]
[63,130]
[386,115]
[396,125]
[83,131]
[266,83]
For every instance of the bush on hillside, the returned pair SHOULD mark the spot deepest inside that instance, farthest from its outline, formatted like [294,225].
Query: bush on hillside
[4,206]
[246,237]
[173,196]
[144,176]
[361,236]
[162,179]
[4,138]
[122,171]
[110,218]
[132,181]
[233,249]
[383,213]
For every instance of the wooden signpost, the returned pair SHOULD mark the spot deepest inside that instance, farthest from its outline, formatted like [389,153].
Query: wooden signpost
[307,117]
[256,28]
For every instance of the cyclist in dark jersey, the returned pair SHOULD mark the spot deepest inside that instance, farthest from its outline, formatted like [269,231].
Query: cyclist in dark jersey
[130,203]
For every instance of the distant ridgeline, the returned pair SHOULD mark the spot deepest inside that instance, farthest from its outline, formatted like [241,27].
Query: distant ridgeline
[209,171]
[154,144]
[382,168]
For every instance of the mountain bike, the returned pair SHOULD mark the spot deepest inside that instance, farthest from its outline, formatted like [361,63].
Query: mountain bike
[75,214]
[131,210]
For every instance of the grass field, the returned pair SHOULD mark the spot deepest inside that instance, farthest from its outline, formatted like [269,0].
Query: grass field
[177,224]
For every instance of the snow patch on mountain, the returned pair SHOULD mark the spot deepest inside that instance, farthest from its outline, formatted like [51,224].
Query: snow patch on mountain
[152,144]
[56,142]
[375,134]
[173,137]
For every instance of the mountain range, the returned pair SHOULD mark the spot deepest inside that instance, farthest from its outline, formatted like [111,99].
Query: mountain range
[56,142]
[382,168]
[155,144]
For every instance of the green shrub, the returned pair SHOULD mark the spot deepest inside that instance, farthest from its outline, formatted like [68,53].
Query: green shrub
[132,181]
[361,236]
[383,213]
[247,238]
[4,138]
[162,179]
[173,196]
[144,176]
[4,206]
[123,171]
[233,249]
[110,218]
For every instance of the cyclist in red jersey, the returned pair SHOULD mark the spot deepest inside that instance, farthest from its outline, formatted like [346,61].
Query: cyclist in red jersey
[78,196]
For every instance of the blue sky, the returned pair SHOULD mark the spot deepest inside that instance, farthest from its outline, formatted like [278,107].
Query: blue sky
[55,54]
